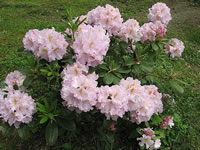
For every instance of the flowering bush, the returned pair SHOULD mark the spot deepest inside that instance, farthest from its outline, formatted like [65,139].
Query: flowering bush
[101,67]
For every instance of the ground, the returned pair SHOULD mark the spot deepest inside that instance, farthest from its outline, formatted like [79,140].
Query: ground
[17,17]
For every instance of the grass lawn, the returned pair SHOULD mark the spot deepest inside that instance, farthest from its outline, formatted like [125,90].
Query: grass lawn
[18,16]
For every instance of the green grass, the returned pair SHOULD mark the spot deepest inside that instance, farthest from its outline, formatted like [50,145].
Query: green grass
[17,17]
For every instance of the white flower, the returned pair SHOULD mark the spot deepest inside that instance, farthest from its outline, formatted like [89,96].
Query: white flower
[157,144]
[145,140]
[170,122]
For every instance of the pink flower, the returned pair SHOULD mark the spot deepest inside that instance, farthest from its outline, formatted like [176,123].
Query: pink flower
[130,30]
[14,78]
[160,30]
[90,45]
[148,31]
[108,17]
[17,108]
[143,101]
[160,12]
[79,89]
[153,31]
[46,44]
[112,127]
[167,121]
[174,47]
[112,101]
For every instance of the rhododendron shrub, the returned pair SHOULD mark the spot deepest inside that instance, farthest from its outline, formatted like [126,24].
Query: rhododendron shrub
[97,79]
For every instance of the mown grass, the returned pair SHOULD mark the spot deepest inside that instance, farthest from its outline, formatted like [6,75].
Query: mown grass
[17,17]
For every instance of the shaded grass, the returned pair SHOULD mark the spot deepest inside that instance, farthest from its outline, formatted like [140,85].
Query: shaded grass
[17,17]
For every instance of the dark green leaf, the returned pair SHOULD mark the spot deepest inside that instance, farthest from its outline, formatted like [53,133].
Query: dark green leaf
[28,81]
[6,131]
[128,60]
[108,78]
[155,46]
[104,67]
[51,133]
[44,119]
[23,132]
[46,104]
[116,80]
[121,70]
[67,124]
[118,75]
[67,146]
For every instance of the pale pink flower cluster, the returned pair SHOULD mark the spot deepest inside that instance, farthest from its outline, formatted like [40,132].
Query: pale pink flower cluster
[160,12]
[80,93]
[112,101]
[130,30]
[152,31]
[148,141]
[16,107]
[174,47]
[90,45]
[14,78]
[143,101]
[46,44]
[108,17]
[79,89]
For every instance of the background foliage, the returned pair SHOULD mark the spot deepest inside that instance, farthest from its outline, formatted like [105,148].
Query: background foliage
[17,17]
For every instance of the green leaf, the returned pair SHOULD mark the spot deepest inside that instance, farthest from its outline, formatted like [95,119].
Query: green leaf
[146,68]
[156,120]
[155,46]
[67,146]
[116,80]
[160,45]
[6,131]
[176,87]
[51,133]
[102,74]
[108,78]
[44,71]
[114,66]
[128,61]
[41,107]
[104,67]
[23,132]
[49,73]
[160,132]
[46,104]
[67,124]
[51,116]
[44,119]
[27,81]
[122,70]
[118,75]
[133,134]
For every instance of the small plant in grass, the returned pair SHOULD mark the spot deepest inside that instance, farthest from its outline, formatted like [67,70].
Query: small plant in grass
[99,74]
